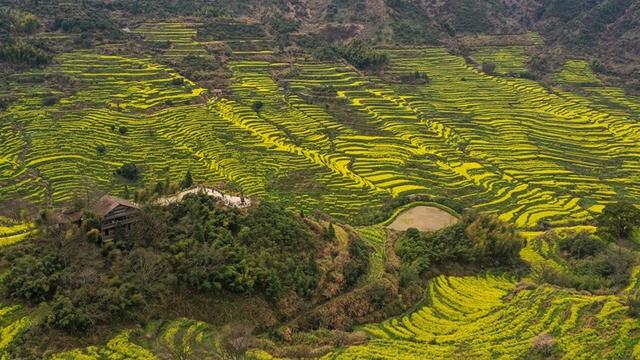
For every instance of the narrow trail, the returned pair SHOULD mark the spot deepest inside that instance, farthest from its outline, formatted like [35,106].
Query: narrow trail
[239,202]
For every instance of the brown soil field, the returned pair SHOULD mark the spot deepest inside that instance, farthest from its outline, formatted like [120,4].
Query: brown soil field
[423,218]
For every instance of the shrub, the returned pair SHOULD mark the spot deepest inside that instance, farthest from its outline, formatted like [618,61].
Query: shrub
[257,106]
[65,316]
[23,54]
[123,130]
[93,236]
[101,149]
[544,346]
[632,300]
[488,67]
[129,171]
[49,100]
[618,220]
[187,182]
[358,54]
[493,241]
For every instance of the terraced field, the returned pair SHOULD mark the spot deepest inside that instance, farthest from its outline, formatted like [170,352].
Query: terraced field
[178,339]
[329,137]
[177,39]
[13,231]
[487,318]
[14,320]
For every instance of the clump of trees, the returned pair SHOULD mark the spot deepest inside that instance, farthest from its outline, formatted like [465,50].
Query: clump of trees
[17,22]
[195,246]
[362,56]
[488,67]
[129,171]
[618,221]
[479,239]
[23,53]
[589,263]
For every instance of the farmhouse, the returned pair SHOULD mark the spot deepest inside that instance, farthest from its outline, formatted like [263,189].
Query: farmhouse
[115,214]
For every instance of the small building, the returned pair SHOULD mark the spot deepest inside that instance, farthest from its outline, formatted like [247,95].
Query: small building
[115,214]
[67,218]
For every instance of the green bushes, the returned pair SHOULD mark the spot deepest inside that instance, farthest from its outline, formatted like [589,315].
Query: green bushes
[129,172]
[195,245]
[478,238]
[618,220]
[34,276]
[493,241]
[13,21]
[360,55]
[632,300]
[588,263]
[23,53]
[488,67]
[65,316]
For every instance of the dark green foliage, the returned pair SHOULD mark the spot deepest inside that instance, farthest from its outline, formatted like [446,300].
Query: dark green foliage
[34,277]
[123,130]
[325,53]
[580,245]
[129,171]
[331,232]
[358,264]
[219,29]
[101,149]
[477,238]
[589,263]
[632,300]
[83,21]
[212,11]
[488,67]
[567,9]
[50,100]
[598,67]
[257,106]
[493,241]
[22,53]
[471,16]
[187,182]
[362,56]
[618,220]
[65,316]
[196,245]
[197,68]
[281,25]
[415,77]
[17,22]
[419,252]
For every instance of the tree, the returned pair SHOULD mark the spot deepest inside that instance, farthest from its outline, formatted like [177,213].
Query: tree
[493,241]
[123,130]
[187,181]
[257,106]
[101,149]
[331,232]
[488,67]
[618,220]
[65,316]
[129,171]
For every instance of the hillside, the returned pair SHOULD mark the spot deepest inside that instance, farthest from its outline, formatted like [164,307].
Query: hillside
[390,179]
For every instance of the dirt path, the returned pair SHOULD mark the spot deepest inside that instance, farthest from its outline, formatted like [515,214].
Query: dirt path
[423,218]
[229,200]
